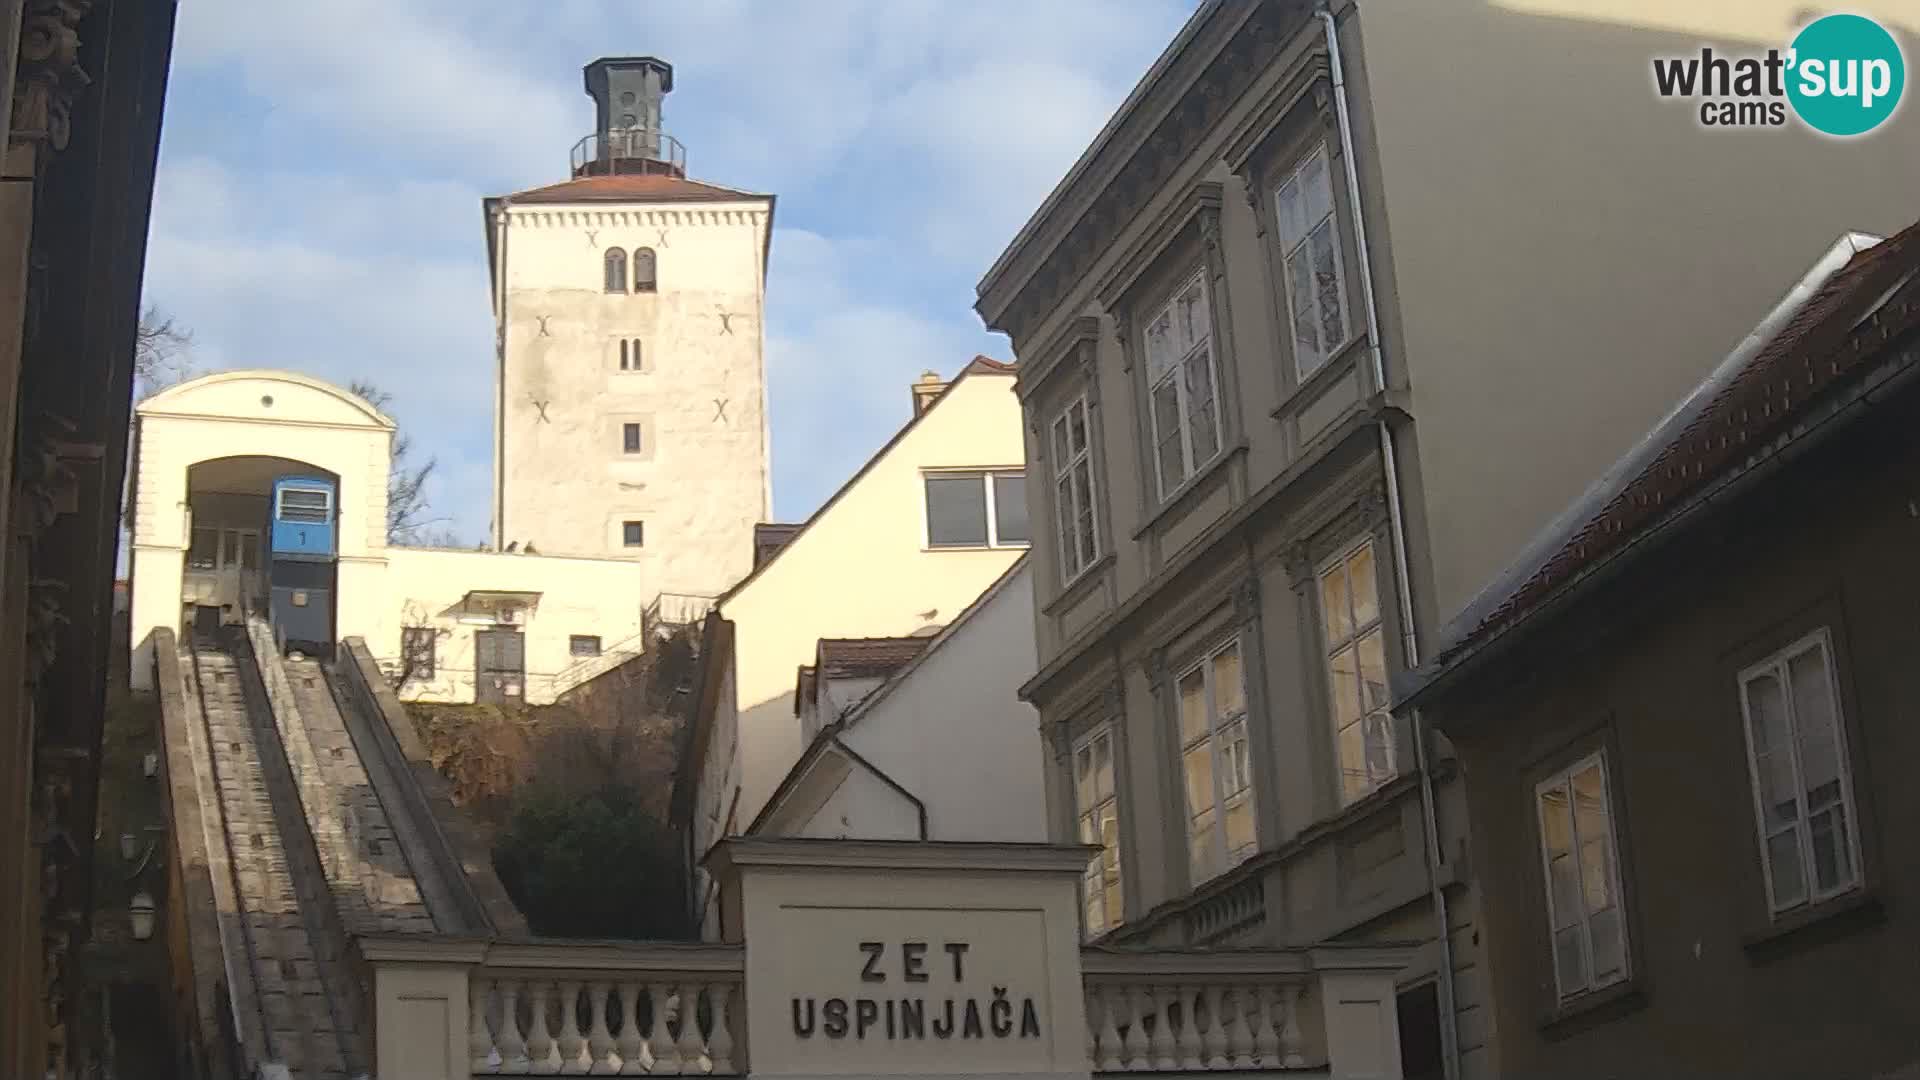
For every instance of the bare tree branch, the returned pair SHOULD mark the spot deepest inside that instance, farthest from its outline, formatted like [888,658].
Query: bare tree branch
[160,353]
[407,503]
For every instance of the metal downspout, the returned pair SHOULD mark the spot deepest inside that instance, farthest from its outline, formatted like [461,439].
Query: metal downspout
[499,283]
[1403,586]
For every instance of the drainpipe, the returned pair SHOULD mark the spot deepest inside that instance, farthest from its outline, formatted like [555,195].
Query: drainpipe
[1403,586]
[500,372]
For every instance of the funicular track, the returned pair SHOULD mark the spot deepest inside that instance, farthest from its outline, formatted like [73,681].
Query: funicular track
[306,1001]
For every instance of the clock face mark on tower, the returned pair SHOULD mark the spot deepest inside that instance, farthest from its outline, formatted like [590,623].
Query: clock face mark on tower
[660,237]
[720,410]
[593,238]
[543,325]
[541,407]
[726,322]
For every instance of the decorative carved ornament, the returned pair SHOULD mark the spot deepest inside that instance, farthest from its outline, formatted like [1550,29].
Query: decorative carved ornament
[1155,666]
[1300,563]
[1246,601]
[50,74]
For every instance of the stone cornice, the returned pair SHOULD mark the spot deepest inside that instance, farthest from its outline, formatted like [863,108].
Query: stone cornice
[49,73]
[1200,205]
[737,852]
[547,216]
[1064,243]
[1074,347]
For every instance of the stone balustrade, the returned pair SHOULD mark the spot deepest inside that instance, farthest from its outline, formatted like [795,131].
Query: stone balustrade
[544,1007]
[1214,1010]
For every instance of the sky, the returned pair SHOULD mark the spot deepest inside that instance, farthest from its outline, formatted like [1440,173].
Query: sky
[322,165]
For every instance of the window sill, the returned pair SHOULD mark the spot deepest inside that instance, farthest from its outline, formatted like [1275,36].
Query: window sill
[944,548]
[1080,585]
[1337,367]
[1184,494]
[1814,925]
[1593,1008]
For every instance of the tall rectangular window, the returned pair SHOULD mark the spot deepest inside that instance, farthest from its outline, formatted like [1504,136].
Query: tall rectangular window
[633,533]
[977,509]
[1802,788]
[1357,673]
[1073,489]
[1577,849]
[1097,807]
[630,355]
[630,438]
[416,651]
[1182,386]
[1216,763]
[1315,282]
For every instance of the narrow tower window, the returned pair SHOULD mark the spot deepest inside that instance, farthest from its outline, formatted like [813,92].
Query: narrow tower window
[643,271]
[630,355]
[630,438]
[616,270]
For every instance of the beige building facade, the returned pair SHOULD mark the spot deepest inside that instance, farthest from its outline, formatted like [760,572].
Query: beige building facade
[206,453]
[906,545]
[631,418]
[1311,339]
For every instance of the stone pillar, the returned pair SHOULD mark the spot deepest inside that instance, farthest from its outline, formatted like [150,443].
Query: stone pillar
[878,959]
[420,1007]
[1363,1028]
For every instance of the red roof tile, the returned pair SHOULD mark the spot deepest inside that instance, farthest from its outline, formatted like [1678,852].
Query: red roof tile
[855,658]
[630,187]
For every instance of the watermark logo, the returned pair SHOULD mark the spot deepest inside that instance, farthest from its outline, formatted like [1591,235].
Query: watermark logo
[1843,75]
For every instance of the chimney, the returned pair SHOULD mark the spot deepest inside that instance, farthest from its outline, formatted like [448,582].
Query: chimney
[627,92]
[924,391]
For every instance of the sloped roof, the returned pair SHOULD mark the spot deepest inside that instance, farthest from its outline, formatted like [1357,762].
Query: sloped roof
[630,187]
[1816,339]
[865,658]
[769,537]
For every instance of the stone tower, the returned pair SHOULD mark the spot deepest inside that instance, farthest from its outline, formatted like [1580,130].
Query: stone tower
[630,408]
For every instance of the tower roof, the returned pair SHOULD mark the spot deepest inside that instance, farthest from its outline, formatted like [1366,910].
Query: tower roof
[631,187]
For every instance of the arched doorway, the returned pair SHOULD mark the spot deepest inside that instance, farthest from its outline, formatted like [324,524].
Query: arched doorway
[228,566]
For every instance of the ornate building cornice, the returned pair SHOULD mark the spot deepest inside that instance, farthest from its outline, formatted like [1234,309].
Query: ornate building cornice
[49,73]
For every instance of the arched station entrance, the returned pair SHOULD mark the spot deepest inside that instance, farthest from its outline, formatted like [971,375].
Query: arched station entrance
[230,564]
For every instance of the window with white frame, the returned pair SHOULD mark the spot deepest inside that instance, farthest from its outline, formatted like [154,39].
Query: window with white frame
[1314,279]
[977,509]
[1802,790]
[1096,805]
[1073,489]
[1357,673]
[1578,851]
[1182,386]
[1216,763]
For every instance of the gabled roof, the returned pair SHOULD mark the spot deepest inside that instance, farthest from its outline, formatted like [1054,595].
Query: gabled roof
[1818,339]
[979,365]
[630,187]
[769,537]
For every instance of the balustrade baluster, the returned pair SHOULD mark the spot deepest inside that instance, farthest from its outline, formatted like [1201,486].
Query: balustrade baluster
[1292,1044]
[666,1060]
[479,1039]
[1216,1038]
[512,1046]
[1187,1038]
[689,1043]
[1240,1048]
[630,1044]
[720,1045]
[1163,1041]
[541,1052]
[1095,1009]
[599,1032]
[1137,1046]
[1110,1056]
[1266,1041]
[572,1048]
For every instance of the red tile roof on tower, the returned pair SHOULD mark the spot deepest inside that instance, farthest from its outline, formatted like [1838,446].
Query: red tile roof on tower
[630,187]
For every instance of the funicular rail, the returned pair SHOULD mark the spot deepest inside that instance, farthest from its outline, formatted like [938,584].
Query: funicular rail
[304,1014]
